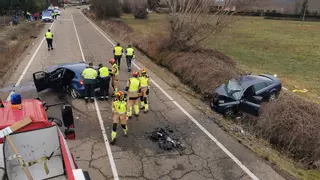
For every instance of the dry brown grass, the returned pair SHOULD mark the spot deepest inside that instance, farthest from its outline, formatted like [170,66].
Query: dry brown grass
[14,41]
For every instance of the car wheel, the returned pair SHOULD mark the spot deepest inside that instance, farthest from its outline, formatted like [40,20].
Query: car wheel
[74,93]
[272,96]
[229,112]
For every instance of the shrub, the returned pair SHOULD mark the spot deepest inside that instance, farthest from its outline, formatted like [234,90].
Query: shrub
[292,125]
[140,13]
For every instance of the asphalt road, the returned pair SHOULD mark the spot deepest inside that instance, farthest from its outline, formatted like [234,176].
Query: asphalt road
[210,153]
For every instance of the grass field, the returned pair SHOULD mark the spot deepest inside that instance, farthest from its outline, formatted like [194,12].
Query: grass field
[289,49]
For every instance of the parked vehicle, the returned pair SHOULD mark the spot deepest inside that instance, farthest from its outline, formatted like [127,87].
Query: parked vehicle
[40,143]
[57,11]
[245,94]
[66,78]
[46,16]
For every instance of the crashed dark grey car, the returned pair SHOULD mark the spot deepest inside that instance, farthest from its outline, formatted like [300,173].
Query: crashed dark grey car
[245,94]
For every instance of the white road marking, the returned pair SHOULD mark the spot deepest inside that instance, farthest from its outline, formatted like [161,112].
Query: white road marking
[105,137]
[28,65]
[243,167]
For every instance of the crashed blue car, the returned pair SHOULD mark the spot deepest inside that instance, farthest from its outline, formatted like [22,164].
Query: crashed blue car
[65,78]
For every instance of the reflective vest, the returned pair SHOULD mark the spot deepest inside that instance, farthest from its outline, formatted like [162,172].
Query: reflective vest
[89,73]
[144,81]
[49,35]
[130,52]
[134,85]
[120,106]
[104,72]
[115,66]
[118,51]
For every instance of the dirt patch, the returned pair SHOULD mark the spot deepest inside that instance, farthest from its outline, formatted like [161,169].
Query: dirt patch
[14,41]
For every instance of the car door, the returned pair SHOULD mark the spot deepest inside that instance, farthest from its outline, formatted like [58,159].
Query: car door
[55,78]
[247,102]
[260,89]
[40,80]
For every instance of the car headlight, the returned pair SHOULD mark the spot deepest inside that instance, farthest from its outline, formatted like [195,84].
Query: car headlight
[221,101]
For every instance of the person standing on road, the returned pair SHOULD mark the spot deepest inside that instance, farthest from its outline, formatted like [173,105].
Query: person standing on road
[104,85]
[49,38]
[52,14]
[117,51]
[115,75]
[89,76]
[129,57]
[133,86]
[144,90]
[119,109]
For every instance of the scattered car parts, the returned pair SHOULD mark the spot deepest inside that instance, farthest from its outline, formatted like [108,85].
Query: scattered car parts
[161,136]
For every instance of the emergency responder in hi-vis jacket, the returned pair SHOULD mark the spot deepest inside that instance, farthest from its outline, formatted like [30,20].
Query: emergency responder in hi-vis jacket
[119,110]
[89,79]
[129,56]
[49,38]
[132,91]
[117,51]
[144,90]
[104,85]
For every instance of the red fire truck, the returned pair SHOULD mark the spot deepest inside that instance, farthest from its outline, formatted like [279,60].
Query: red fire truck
[38,150]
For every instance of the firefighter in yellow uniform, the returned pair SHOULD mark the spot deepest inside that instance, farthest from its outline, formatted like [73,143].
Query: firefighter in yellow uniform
[115,75]
[132,90]
[119,110]
[144,90]
[117,51]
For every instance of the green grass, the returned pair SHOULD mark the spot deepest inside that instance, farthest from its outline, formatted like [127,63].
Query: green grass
[289,49]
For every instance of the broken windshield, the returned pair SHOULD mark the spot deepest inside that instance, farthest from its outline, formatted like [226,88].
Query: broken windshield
[234,89]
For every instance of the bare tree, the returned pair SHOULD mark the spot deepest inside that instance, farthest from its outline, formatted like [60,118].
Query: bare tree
[192,22]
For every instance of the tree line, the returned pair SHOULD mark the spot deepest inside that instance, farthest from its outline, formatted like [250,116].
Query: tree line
[9,6]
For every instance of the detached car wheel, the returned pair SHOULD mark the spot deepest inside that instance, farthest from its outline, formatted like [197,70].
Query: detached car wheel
[74,93]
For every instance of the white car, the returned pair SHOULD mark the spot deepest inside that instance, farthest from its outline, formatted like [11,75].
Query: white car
[78,7]
[57,11]
[46,16]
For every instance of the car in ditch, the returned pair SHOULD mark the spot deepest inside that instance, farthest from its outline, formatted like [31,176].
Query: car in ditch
[65,78]
[245,94]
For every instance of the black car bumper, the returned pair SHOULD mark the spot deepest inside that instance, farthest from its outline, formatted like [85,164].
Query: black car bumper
[216,107]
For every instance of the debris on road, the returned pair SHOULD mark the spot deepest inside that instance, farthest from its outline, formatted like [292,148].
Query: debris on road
[161,136]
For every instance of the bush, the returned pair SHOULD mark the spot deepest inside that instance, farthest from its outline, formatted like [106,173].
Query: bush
[292,125]
[140,13]
[201,70]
